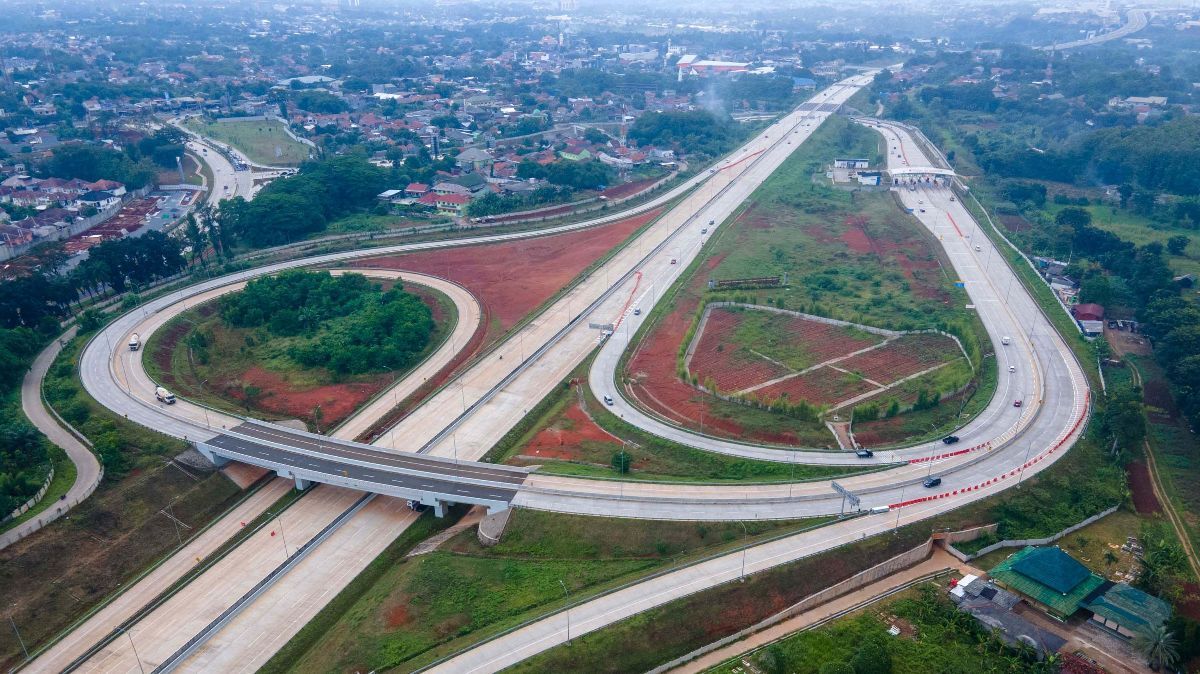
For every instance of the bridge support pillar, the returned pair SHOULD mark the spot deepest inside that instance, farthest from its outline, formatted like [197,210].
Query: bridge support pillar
[439,508]
[302,484]
[207,453]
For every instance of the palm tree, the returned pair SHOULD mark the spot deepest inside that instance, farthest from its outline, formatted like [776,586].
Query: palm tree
[1158,646]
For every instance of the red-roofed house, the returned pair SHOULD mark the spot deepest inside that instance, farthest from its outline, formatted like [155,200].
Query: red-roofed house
[452,203]
[416,190]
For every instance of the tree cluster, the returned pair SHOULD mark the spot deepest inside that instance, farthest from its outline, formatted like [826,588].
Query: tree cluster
[1173,323]
[23,463]
[693,131]
[343,323]
[579,175]
[291,208]
[94,162]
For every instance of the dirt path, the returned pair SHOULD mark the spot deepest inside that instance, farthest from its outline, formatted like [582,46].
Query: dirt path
[1161,494]
[1169,509]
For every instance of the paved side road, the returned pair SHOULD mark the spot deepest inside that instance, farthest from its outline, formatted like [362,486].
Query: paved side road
[87,468]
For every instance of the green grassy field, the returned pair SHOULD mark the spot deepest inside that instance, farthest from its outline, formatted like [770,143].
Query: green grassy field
[262,141]
[416,609]
[644,641]
[1141,230]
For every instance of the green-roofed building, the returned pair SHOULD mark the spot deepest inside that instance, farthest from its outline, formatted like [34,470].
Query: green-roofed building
[1048,578]
[1127,610]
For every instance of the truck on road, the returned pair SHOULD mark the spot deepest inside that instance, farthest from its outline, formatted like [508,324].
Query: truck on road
[164,396]
[134,342]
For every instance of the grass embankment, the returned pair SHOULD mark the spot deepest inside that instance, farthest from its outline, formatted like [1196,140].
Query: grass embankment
[201,356]
[1080,484]
[849,255]
[934,637]
[414,610]
[78,561]
[1176,449]
[263,141]
[661,634]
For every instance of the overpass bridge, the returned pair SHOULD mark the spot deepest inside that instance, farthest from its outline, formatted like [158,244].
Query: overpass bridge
[308,458]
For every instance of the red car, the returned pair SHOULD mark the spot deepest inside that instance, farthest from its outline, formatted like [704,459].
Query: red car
[1016,403]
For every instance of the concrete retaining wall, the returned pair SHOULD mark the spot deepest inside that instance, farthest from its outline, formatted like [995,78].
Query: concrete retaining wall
[1017,543]
[24,508]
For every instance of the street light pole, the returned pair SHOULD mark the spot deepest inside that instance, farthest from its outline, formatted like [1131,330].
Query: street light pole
[1021,474]
[16,631]
[745,547]
[205,407]
[567,594]
[282,535]
[134,648]
[171,514]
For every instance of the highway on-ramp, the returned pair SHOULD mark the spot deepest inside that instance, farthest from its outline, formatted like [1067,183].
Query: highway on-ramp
[1056,426]
[490,396]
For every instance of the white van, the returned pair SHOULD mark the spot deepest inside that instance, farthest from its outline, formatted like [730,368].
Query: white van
[164,396]
[608,400]
[1005,340]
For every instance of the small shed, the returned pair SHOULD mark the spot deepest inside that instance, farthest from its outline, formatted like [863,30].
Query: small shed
[1088,312]
[1126,610]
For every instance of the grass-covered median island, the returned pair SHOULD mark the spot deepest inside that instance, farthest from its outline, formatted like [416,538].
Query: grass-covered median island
[302,344]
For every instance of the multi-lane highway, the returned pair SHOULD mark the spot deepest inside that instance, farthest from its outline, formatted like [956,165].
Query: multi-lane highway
[467,416]
[1061,399]
[490,378]
[1135,20]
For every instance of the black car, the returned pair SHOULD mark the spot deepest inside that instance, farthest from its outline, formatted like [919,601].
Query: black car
[950,439]
[864,453]
[931,482]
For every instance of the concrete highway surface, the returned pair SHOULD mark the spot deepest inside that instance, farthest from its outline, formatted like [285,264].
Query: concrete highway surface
[1136,20]
[1061,408]
[99,376]
[471,413]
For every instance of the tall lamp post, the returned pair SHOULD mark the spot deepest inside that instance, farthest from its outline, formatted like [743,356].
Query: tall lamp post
[567,594]
[745,547]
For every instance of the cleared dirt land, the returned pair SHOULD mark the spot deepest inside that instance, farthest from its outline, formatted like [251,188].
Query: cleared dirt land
[513,278]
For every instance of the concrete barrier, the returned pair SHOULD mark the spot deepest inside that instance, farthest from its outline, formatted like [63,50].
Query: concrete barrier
[972,534]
